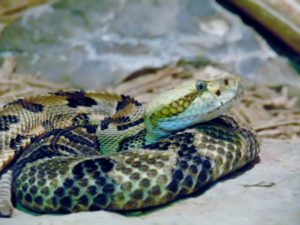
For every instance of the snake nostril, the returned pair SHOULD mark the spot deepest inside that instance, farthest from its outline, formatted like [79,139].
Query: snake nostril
[218,92]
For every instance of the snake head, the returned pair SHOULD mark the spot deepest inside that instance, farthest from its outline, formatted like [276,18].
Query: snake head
[191,103]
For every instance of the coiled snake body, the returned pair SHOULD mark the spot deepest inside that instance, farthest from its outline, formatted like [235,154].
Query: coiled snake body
[78,151]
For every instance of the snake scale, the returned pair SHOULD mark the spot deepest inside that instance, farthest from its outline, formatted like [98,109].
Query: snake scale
[72,151]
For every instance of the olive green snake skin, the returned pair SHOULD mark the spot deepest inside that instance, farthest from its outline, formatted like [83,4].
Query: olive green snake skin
[72,151]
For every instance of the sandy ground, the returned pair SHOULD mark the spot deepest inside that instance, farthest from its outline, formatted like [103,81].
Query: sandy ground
[268,193]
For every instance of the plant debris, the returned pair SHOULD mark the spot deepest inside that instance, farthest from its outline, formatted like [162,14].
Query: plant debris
[270,111]
[13,86]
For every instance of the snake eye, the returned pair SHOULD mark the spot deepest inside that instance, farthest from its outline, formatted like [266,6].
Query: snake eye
[200,85]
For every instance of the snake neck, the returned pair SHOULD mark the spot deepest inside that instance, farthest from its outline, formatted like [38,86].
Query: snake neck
[116,133]
[122,131]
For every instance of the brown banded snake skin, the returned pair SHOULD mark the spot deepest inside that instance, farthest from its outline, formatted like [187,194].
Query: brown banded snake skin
[72,151]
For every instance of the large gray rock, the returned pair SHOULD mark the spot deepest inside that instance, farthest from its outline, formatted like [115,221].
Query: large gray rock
[95,43]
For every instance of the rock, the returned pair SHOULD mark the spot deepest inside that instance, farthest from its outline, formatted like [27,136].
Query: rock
[92,44]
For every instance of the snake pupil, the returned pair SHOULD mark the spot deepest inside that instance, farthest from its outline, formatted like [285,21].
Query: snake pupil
[200,85]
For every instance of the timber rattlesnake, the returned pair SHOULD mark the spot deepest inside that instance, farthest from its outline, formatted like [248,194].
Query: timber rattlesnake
[73,151]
